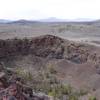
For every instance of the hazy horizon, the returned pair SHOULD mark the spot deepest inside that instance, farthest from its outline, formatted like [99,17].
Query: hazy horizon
[47,18]
[42,9]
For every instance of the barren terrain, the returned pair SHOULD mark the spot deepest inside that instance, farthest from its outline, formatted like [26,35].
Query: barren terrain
[72,50]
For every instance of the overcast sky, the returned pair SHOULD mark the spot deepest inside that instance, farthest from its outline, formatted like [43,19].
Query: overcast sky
[40,9]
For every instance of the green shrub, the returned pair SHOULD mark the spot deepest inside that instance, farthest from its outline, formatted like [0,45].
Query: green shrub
[24,74]
[83,92]
[48,83]
[92,98]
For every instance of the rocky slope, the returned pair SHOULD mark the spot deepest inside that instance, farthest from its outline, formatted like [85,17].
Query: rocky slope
[49,46]
[77,64]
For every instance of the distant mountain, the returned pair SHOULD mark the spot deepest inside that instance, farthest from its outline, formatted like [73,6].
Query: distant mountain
[23,22]
[83,20]
[4,21]
[53,19]
[96,22]
[90,22]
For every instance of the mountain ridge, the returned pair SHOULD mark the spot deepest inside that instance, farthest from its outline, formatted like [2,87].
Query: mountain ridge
[51,19]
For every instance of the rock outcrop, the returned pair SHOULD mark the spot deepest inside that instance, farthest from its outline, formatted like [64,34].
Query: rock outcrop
[47,46]
[12,88]
[41,46]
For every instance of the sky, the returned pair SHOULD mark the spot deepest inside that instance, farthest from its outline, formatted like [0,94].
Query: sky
[41,9]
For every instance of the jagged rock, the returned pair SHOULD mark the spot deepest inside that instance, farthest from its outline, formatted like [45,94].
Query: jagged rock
[15,91]
[44,46]
[41,46]
[2,74]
